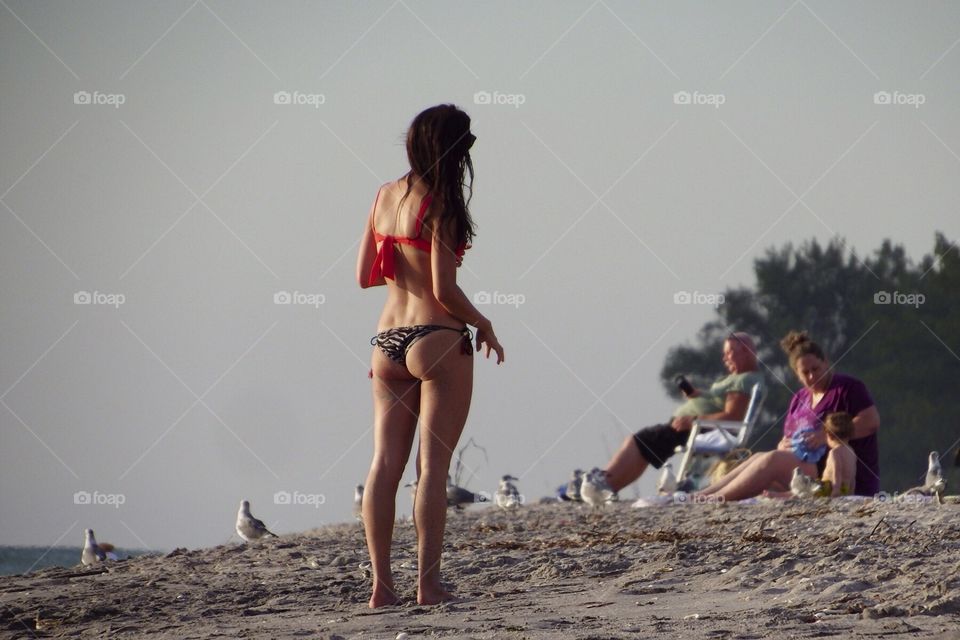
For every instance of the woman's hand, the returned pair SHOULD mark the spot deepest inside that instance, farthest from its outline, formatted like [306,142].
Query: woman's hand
[485,335]
[815,439]
[785,444]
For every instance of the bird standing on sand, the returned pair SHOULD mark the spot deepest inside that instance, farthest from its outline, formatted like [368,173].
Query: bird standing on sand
[413,489]
[667,484]
[507,496]
[92,553]
[458,496]
[595,490]
[934,471]
[936,484]
[358,502]
[573,486]
[248,527]
[802,485]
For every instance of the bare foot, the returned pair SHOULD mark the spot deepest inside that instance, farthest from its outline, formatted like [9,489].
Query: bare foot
[434,595]
[767,493]
[383,597]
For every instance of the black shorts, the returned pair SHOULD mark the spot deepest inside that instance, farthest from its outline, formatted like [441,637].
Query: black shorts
[658,443]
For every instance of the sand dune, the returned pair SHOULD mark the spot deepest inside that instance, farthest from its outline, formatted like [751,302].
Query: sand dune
[783,570]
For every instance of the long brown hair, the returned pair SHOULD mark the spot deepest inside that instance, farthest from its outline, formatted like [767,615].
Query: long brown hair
[438,148]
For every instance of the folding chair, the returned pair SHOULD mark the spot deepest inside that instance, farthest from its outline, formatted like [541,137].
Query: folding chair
[714,438]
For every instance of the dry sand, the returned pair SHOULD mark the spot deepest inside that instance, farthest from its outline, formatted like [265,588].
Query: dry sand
[785,570]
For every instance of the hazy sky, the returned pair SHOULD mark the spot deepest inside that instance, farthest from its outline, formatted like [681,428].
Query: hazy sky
[626,152]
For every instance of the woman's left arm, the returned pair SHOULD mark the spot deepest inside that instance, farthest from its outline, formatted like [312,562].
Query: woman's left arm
[866,423]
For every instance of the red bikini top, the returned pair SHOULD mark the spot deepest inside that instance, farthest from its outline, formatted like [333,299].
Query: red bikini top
[383,264]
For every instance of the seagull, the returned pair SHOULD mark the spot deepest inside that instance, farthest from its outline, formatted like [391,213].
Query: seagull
[358,503]
[573,486]
[458,496]
[248,527]
[507,496]
[413,489]
[936,484]
[667,484]
[92,553]
[802,485]
[595,490]
[934,471]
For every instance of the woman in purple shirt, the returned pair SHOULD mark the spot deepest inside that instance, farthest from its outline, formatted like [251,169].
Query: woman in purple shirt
[804,442]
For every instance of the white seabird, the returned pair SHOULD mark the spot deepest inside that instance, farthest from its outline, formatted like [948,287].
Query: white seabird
[508,496]
[458,496]
[358,502]
[595,490]
[667,484]
[92,553]
[248,527]
[802,485]
[934,472]
[413,489]
[573,486]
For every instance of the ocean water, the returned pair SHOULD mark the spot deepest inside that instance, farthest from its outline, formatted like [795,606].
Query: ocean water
[16,560]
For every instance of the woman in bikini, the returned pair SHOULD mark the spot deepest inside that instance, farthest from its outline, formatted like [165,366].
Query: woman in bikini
[422,367]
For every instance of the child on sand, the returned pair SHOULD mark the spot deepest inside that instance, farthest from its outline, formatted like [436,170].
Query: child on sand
[840,473]
[841,469]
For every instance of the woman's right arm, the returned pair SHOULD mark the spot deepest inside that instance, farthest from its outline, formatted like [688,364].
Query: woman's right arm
[368,253]
[443,265]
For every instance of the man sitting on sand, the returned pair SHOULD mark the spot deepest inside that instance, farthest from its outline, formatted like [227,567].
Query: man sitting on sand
[726,399]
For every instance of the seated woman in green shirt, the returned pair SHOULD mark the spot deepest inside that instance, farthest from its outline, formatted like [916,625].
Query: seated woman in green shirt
[726,399]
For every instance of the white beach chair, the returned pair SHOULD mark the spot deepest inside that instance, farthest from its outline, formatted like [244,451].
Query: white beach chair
[711,439]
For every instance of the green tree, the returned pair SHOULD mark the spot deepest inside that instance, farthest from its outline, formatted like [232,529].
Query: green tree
[907,354]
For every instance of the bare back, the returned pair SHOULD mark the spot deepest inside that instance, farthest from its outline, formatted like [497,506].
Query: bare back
[841,470]
[410,296]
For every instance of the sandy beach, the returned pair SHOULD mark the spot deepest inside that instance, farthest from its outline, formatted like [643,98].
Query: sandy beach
[781,570]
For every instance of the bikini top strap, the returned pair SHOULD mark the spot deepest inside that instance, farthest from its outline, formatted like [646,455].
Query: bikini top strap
[423,210]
